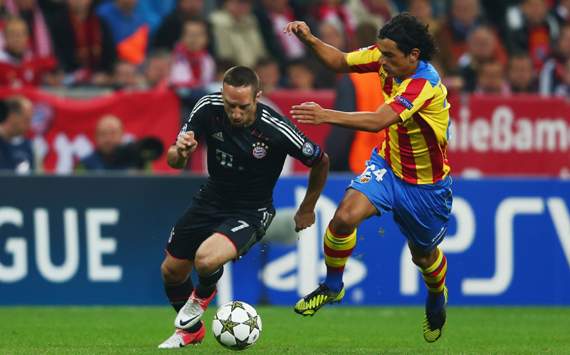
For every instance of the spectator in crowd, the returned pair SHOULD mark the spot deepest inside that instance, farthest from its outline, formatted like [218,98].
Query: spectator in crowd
[83,44]
[337,11]
[464,16]
[300,76]
[531,29]
[552,73]
[270,79]
[126,77]
[170,29]
[39,35]
[423,11]
[483,46]
[3,16]
[376,12]
[272,16]
[269,75]
[563,88]
[157,70]
[112,153]
[16,152]
[128,27]
[153,11]
[222,65]
[562,12]
[236,32]
[332,32]
[355,92]
[192,65]
[108,137]
[19,66]
[491,79]
[521,74]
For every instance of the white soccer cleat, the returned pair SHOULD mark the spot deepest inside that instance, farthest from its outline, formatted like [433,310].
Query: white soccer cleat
[182,338]
[192,311]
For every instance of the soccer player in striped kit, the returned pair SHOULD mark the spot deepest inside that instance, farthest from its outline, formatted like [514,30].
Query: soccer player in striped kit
[407,175]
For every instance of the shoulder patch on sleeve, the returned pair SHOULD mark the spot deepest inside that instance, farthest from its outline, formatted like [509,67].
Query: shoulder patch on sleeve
[308,149]
[404,102]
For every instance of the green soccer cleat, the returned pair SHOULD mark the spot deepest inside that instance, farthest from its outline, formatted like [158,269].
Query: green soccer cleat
[434,322]
[310,304]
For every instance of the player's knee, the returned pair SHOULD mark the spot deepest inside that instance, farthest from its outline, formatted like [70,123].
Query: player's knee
[172,274]
[344,221]
[205,263]
[423,259]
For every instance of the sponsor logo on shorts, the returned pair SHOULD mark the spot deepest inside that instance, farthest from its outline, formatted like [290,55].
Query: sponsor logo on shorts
[364,178]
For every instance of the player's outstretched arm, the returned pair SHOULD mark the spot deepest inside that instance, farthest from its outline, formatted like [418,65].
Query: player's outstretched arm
[178,154]
[305,216]
[330,56]
[313,113]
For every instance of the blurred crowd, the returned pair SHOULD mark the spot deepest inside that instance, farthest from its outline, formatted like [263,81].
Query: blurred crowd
[498,47]
[485,46]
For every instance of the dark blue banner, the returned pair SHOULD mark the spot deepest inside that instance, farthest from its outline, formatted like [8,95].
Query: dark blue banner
[100,240]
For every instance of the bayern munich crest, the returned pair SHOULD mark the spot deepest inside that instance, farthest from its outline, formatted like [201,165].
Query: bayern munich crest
[259,150]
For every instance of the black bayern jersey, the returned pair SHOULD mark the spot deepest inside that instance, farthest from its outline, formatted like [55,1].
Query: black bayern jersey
[244,163]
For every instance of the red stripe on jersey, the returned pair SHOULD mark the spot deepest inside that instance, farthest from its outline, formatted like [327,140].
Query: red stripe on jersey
[388,85]
[366,68]
[435,153]
[387,149]
[397,107]
[407,160]
[414,89]
[337,253]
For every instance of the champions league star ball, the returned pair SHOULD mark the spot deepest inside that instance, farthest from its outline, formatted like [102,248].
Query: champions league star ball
[236,325]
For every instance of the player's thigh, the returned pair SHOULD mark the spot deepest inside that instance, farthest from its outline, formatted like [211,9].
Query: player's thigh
[246,228]
[353,209]
[422,213]
[376,183]
[191,230]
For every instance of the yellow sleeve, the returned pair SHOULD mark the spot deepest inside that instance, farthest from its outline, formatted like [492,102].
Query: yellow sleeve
[411,96]
[364,60]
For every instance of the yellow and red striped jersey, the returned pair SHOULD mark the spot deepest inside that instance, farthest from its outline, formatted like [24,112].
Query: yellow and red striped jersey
[416,147]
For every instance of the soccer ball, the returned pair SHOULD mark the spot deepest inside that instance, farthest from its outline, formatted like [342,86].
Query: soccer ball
[236,325]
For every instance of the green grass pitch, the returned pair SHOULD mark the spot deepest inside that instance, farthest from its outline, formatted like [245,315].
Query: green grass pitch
[334,330]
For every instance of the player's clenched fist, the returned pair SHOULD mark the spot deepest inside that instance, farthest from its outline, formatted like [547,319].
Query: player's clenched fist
[186,144]
[299,29]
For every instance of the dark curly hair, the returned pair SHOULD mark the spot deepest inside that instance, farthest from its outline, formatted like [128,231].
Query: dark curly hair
[409,33]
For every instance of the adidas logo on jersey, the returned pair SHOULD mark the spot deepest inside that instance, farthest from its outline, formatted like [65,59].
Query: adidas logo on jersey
[219,136]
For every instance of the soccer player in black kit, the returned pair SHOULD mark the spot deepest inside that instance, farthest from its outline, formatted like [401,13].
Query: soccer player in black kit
[247,146]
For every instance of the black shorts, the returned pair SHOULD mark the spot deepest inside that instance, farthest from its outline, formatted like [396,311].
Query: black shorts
[243,227]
